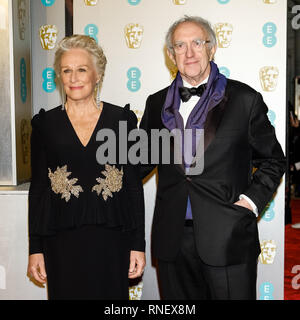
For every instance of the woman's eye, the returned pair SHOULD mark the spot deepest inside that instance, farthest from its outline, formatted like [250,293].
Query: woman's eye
[82,70]
[66,71]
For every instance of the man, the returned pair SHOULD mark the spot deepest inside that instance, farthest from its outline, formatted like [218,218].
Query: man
[204,227]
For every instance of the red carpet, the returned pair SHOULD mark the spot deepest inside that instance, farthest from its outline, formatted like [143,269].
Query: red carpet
[292,255]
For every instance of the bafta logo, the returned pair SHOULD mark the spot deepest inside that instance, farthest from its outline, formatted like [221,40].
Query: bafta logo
[134,35]
[138,114]
[48,36]
[173,72]
[270,1]
[224,34]
[135,292]
[179,2]
[22,18]
[268,78]
[268,251]
[91,2]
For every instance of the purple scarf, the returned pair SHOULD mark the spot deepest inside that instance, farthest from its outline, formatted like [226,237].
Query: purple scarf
[171,118]
[212,96]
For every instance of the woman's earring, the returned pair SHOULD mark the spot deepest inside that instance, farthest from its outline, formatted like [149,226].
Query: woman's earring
[98,99]
[63,96]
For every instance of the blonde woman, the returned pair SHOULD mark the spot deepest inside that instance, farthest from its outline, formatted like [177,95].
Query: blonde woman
[86,219]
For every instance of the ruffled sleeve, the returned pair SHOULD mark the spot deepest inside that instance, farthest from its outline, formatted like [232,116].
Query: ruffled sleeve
[135,189]
[39,180]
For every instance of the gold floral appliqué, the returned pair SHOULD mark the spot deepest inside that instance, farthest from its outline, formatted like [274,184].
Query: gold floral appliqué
[60,183]
[111,183]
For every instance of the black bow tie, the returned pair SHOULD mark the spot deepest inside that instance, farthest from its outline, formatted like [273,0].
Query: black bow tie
[186,93]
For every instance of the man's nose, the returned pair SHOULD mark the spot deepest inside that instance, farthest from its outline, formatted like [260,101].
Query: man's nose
[189,50]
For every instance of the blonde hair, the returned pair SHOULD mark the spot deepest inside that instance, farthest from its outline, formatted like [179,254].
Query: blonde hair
[82,42]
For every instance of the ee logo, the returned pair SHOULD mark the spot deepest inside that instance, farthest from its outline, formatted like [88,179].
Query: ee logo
[92,31]
[225,71]
[134,83]
[272,117]
[48,3]
[134,2]
[269,213]
[223,1]
[23,86]
[269,31]
[266,290]
[49,80]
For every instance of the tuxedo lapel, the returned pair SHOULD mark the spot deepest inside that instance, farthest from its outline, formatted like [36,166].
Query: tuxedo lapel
[179,166]
[212,122]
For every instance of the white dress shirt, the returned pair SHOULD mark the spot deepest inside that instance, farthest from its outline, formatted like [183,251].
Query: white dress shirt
[185,109]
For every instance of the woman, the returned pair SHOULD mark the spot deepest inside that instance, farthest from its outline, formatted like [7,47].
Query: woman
[86,219]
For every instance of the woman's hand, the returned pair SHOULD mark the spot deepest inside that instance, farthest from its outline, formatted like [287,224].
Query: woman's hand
[137,264]
[36,267]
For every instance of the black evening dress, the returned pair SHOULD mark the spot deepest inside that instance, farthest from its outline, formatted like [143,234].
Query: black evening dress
[84,216]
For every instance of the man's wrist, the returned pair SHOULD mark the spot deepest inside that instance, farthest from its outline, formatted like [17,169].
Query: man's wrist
[251,203]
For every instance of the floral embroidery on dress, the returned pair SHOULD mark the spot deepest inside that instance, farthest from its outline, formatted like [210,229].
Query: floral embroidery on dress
[111,183]
[61,184]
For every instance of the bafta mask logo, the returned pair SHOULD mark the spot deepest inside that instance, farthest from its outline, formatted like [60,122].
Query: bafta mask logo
[135,292]
[139,114]
[25,140]
[268,78]
[269,1]
[179,2]
[48,36]
[268,251]
[134,35]
[173,72]
[90,3]
[22,18]
[224,34]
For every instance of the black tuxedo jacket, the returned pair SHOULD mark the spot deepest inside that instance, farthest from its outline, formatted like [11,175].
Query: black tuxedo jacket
[241,156]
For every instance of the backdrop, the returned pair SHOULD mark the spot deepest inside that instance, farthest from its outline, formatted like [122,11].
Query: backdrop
[252,49]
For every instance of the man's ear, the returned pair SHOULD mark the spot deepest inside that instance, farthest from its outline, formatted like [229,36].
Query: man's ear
[171,56]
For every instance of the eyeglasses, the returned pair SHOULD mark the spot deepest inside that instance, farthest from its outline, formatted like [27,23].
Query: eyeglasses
[181,47]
